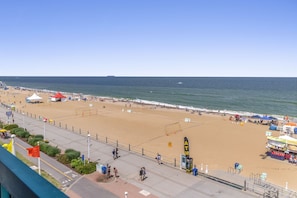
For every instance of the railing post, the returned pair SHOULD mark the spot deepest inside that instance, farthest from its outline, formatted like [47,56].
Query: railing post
[129,148]
[244,186]
[79,130]
[105,139]
[142,151]
[72,128]
[96,136]
[117,143]
[174,162]
[65,126]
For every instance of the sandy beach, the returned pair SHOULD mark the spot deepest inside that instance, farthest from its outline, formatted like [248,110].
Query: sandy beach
[214,140]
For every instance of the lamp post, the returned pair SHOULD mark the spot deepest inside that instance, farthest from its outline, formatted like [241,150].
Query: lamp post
[12,148]
[44,121]
[23,119]
[88,141]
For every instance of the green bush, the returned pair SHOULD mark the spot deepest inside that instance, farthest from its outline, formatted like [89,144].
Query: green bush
[52,151]
[63,159]
[43,146]
[72,154]
[15,130]
[32,140]
[39,136]
[22,134]
[76,162]
[86,168]
[11,126]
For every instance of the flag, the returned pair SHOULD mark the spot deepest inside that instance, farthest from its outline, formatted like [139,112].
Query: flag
[9,146]
[34,151]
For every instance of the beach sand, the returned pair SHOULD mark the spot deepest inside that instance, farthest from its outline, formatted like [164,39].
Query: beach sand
[214,140]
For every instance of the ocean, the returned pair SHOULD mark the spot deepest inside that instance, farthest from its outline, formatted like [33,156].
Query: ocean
[245,95]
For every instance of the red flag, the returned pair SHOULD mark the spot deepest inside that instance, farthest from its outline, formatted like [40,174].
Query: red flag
[34,151]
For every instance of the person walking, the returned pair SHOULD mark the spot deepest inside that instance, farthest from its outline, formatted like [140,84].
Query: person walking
[158,158]
[108,172]
[115,170]
[141,174]
[117,152]
[114,154]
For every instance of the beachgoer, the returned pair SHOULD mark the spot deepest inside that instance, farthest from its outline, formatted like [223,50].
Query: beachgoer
[158,158]
[115,170]
[141,174]
[114,154]
[117,152]
[108,172]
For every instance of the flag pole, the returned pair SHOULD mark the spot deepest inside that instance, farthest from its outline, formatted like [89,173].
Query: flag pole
[39,162]
[12,148]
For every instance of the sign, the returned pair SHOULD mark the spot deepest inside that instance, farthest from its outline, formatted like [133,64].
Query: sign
[186,147]
[8,113]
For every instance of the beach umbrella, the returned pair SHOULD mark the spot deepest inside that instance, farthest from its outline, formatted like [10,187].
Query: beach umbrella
[3,130]
[268,118]
[256,117]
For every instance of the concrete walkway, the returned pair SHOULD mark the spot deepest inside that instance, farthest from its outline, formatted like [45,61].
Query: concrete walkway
[161,181]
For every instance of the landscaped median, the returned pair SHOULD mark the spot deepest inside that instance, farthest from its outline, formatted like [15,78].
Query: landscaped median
[69,157]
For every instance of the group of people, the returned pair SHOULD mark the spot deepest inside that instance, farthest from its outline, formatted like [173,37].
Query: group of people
[293,159]
[142,173]
[115,153]
[115,171]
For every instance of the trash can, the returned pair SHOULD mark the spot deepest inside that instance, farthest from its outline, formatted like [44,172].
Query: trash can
[195,171]
[104,169]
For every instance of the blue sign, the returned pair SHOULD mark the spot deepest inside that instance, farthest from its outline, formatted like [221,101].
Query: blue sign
[8,113]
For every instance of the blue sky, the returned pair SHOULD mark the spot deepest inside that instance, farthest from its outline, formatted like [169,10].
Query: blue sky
[148,38]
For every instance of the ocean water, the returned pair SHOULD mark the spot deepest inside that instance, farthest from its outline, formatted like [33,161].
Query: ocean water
[271,96]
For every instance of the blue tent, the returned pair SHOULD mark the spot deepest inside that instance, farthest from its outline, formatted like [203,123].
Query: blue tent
[263,117]
[268,118]
[256,117]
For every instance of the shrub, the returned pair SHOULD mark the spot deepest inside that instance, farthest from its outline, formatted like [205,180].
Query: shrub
[76,162]
[72,154]
[39,136]
[22,134]
[63,159]
[86,168]
[11,126]
[32,140]
[52,151]
[15,130]
[43,146]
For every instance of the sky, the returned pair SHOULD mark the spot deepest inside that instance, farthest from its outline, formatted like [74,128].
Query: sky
[197,38]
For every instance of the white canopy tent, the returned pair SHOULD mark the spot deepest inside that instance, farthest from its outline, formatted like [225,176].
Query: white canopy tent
[34,98]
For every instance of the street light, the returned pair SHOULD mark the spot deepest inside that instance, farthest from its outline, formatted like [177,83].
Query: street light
[13,149]
[23,120]
[88,141]
[44,121]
